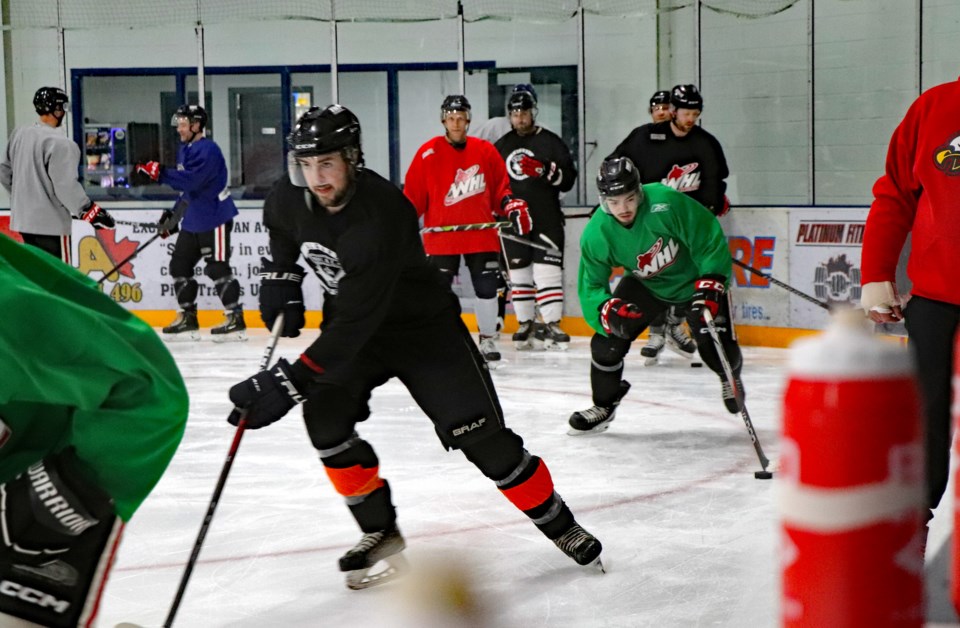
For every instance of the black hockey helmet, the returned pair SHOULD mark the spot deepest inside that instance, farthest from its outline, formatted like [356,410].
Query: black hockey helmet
[321,131]
[454,102]
[617,176]
[521,99]
[49,99]
[193,113]
[661,97]
[686,97]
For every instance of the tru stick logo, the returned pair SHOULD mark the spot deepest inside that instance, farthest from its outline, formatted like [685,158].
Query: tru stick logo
[466,183]
[656,258]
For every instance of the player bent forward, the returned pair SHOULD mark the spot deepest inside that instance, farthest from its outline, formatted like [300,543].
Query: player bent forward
[675,253]
[387,312]
[89,418]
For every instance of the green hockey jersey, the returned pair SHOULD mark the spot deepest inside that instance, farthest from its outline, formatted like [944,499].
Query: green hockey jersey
[673,241]
[81,371]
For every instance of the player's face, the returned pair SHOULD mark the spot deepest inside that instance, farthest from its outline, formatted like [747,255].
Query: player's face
[522,121]
[187,130]
[329,178]
[623,207]
[456,123]
[685,119]
[660,113]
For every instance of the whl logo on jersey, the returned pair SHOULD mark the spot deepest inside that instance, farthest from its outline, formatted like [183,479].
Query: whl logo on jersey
[466,183]
[684,178]
[656,259]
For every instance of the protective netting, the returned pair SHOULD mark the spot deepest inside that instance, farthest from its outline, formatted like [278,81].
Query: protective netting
[84,14]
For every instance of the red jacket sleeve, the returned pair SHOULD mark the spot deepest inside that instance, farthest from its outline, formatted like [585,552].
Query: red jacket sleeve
[896,195]
[415,185]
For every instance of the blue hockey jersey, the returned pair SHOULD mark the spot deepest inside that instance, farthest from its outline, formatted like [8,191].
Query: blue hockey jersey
[201,174]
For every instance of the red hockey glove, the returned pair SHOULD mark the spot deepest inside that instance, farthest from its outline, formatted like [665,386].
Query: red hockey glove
[726,207]
[98,217]
[517,210]
[708,291]
[151,169]
[620,318]
[535,168]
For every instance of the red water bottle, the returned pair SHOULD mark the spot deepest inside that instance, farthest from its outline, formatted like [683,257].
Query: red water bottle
[851,492]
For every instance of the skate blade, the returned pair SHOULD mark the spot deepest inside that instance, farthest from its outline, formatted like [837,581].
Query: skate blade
[679,351]
[523,345]
[184,336]
[551,345]
[236,336]
[651,361]
[359,579]
[596,564]
[599,429]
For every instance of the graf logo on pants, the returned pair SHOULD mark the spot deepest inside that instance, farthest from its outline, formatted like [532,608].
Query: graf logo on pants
[32,596]
[325,264]
[469,427]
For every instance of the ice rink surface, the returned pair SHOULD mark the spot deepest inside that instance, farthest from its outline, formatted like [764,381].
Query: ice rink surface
[689,535]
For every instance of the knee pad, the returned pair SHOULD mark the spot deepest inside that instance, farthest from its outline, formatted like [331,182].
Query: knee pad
[185,289]
[496,455]
[217,270]
[228,289]
[486,281]
[606,352]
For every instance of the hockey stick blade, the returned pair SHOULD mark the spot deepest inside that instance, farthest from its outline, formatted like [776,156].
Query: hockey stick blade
[731,381]
[221,482]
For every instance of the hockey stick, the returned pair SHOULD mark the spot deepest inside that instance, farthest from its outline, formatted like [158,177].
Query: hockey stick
[513,238]
[142,225]
[128,258]
[215,499]
[728,373]
[777,282]
[478,226]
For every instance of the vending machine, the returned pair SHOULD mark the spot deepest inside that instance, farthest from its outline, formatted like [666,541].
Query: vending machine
[112,150]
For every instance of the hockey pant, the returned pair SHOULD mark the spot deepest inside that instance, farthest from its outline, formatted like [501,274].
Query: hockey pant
[441,367]
[486,277]
[214,248]
[607,352]
[59,541]
[59,246]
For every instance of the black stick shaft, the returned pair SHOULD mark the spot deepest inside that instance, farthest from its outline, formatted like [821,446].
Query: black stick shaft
[728,373]
[127,259]
[224,473]
[777,282]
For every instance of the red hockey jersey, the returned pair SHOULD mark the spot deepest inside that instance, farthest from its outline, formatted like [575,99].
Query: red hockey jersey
[920,192]
[451,186]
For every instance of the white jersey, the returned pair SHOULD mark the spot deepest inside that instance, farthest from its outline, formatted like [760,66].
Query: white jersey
[40,170]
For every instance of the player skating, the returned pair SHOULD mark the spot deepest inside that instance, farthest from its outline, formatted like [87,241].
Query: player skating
[674,253]
[207,212]
[455,179]
[387,312]
[92,408]
[540,169]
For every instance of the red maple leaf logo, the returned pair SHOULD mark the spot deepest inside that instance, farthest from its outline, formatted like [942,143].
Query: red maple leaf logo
[117,251]
[646,259]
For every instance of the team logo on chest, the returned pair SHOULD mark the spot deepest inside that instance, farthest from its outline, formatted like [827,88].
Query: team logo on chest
[947,157]
[325,264]
[466,183]
[513,163]
[685,178]
[657,258]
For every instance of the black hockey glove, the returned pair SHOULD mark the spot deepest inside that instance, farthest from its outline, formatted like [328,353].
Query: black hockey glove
[168,224]
[98,217]
[269,395]
[47,507]
[708,292]
[280,291]
[620,318]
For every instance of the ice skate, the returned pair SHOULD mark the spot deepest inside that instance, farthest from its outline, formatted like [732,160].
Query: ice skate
[552,336]
[488,348]
[232,329]
[733,396]
[374,547]
[184,327]
[581,546]
[523,338]
[651,351]
[596,419]
[680,342]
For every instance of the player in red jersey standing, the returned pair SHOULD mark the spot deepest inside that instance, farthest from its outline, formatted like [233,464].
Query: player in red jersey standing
[459,180]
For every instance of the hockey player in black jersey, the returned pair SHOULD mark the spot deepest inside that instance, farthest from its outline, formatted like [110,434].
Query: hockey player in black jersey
[387,312]
[681,155]
[540,169]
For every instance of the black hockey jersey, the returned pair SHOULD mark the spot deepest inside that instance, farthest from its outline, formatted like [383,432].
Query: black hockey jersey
[369,258]
[693,164]
[545,146]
